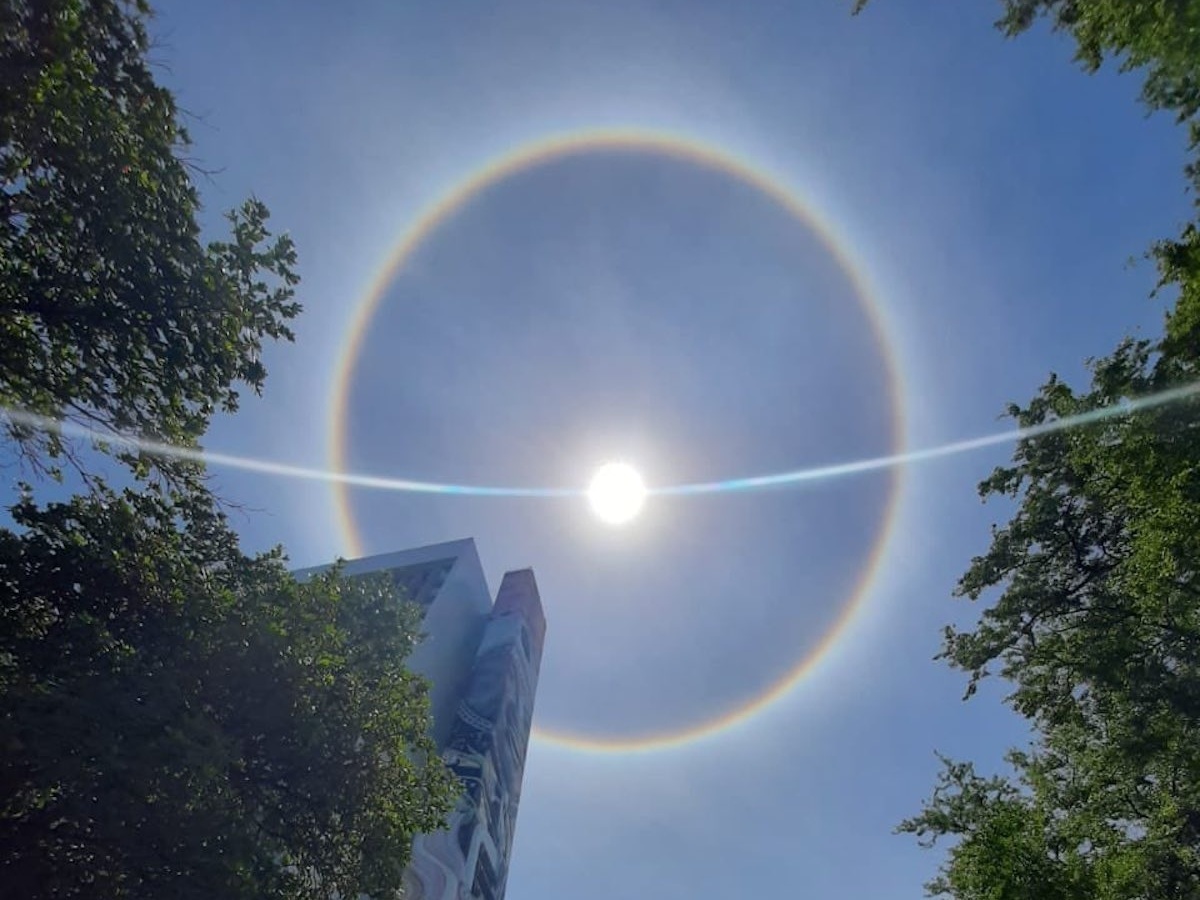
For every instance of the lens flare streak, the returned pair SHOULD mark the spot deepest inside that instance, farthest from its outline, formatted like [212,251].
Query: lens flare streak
[270,467]
[858,467]
[758,482]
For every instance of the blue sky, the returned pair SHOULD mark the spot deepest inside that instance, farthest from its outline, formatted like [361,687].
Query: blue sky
[627,305]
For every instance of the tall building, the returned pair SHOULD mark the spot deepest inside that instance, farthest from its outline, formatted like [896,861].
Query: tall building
[482,660]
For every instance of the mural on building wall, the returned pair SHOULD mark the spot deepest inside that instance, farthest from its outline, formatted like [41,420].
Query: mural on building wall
[486,749]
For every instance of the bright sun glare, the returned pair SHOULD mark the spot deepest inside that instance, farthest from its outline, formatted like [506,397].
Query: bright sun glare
[616,493]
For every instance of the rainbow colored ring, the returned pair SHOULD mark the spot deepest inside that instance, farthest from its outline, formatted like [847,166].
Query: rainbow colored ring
[549,149]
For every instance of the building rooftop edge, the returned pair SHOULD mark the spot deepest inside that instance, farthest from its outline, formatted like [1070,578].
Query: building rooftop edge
[463,547]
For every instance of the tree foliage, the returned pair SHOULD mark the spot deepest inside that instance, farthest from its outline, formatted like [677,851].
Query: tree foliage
[1093,586]
[1096,624]
[177,719]
[182,720]
[112,310]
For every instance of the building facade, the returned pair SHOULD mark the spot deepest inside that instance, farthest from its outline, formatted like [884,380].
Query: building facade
[482,660]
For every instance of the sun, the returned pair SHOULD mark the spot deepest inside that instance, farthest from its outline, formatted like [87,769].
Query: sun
[617,493]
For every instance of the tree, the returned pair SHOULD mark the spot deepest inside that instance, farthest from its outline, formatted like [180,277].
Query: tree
[1094,584]
[1097,626]
[182,720]
[176,718]
[112,311]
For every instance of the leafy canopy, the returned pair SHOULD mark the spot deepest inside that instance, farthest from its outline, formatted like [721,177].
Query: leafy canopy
[177,719]
[1095,621]
[112,310]
[183,720]
[1093,586]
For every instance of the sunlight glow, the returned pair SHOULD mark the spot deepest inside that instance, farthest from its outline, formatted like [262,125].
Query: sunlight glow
[617,493]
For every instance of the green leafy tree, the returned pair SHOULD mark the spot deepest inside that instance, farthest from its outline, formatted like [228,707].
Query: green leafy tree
[1096,624]
[180,720]
[112,311]
[177,719]
[1093,586]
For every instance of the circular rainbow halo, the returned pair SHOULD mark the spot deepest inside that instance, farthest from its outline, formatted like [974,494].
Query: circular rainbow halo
[686,150]
[616,493]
